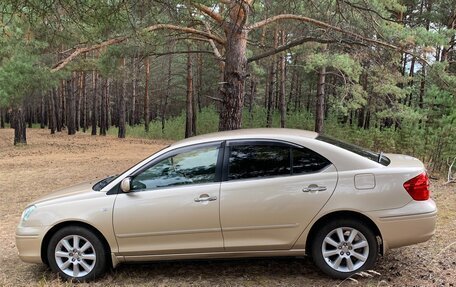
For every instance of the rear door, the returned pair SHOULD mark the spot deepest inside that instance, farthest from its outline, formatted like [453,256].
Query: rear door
[270,192]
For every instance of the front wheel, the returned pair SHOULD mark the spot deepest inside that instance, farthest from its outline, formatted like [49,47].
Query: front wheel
[76,253]
[344,247]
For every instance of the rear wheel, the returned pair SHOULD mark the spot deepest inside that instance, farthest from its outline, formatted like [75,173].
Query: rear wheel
[76,253]
[344,247]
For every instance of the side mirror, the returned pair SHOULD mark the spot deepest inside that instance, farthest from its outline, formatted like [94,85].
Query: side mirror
[125,185]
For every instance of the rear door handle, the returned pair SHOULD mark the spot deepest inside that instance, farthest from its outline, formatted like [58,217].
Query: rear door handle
[314,188]
[205,197]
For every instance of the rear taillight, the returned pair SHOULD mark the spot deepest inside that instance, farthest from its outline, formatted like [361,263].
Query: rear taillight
[418,187]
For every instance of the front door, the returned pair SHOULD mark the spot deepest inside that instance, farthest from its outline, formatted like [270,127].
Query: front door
[173,206]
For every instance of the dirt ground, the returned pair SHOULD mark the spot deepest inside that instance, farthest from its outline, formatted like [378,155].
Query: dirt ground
[49,162]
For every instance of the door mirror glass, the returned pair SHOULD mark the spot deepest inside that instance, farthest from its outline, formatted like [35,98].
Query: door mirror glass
[125,185]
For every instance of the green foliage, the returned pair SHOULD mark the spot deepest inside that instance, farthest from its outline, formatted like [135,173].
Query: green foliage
[22,71]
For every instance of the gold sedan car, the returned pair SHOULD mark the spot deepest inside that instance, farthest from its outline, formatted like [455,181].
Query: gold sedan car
[244,193]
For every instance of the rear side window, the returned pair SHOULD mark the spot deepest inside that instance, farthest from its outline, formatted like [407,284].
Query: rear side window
[267,160]
[250,161]
[307,161]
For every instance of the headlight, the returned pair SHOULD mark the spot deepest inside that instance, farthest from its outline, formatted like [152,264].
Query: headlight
[27,212]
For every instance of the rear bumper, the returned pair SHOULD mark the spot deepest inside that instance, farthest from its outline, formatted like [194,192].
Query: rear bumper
[411,224]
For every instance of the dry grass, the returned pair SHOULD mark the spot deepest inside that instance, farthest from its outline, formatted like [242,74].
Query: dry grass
[52,161]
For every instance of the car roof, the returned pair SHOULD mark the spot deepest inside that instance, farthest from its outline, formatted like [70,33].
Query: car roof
[267,133]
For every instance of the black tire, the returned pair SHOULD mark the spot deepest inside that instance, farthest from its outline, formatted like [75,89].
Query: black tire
[99,265]
[365,234]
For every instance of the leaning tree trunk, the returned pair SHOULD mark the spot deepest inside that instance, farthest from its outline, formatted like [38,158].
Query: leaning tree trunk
[19,126]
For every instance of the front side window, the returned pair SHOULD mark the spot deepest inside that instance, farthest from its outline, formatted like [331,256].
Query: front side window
[252,161]
[189,167]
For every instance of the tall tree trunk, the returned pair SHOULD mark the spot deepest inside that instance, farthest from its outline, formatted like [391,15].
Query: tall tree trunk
[320,105]
[103,116]
[282,100]
[411,74]
[132,119]
[71,106]
[43,112]
[63,108]
[270,97]
[108,105]
[84,109]
[235,70]
[94,102]
[122,104]
[146,94]
[200,81]
[52,115]
[189,110]
[252,96]
[272,82]
[2,118]
[19,126]
[58,107]
[167,93]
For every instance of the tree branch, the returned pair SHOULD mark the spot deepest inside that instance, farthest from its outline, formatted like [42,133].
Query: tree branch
[298,42]
[208,11]
[318,23]
[118,40]
[211,42]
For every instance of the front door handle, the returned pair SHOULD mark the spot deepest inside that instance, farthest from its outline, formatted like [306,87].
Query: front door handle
[205,197]
[314,188]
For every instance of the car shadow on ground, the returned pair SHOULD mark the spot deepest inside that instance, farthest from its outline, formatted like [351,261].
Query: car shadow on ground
[257,271]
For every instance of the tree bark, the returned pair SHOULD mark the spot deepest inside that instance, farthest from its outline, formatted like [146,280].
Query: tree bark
[71,106]
[282,100]
[146,94]
[52,114]
[19,126]
[320,104]
[94,102]
[84,113]
[189,131]
[235,70]
[167,93]
[103,115]
[42,113]
[122,105]
[2,118]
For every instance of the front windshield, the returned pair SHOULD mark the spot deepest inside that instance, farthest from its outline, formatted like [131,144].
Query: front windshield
[377,157]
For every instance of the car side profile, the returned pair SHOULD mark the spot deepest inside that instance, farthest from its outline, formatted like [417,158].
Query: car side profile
[243,193]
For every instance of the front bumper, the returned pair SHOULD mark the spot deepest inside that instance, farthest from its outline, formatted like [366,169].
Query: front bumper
[28,243]
[411,224]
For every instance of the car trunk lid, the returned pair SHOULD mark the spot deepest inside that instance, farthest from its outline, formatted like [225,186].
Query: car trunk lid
[401,160]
